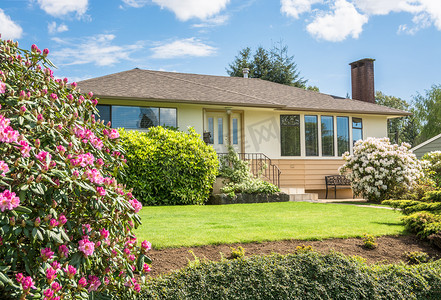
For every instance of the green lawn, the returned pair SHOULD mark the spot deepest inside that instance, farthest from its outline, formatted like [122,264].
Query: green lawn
[174,226]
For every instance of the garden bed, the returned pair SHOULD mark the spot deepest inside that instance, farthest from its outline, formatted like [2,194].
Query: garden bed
[391,249]
[219,199]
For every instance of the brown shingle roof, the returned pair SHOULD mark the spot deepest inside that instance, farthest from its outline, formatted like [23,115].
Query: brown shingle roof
[235,91]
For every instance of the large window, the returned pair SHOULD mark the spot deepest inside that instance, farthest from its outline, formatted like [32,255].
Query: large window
[327,127]
[342,135]
[311,136]
[290,135]
[133,117]
[357,129]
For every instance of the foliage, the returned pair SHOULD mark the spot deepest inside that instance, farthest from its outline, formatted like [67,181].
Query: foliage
[369,241]
[237,253]
[66,225]
[379,170]
[432,167]
[417,257]
[422,223]
[304,248]
[306,275]
[273,65]
[403,129]
[428,110]
[169,167]
[239,179]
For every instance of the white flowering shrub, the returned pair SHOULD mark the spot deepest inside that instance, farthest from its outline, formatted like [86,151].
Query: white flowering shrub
[380,170]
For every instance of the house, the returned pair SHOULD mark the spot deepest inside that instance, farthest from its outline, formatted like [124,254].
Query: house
[302,133]
[433,144]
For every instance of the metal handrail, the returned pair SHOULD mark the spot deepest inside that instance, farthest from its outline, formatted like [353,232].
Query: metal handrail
[257,163]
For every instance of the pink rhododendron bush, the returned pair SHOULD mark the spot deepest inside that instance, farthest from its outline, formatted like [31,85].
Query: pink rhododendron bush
[380,170]
[66,225]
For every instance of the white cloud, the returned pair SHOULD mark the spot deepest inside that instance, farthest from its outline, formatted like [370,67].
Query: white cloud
[97,50]
[433,9]
[384,7]
[8,28]
[54,28]
[136,3]
[59,8]
[294,8]
[182,48]
[187,9]
[213,22]
[336,26]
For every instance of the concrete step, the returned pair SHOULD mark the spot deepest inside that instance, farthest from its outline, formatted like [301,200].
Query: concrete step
[303,197]
[293,190]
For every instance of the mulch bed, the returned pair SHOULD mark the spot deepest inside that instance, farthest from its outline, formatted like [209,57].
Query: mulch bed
[391,249]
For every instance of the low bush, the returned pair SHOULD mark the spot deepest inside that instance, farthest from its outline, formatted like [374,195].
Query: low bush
[432,166]
[306,275]
[417,257]
[369,241]
[422,223]
[168,167]
[239,179]
[238,252]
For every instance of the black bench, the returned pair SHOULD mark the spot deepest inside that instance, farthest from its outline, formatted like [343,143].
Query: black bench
[334,181]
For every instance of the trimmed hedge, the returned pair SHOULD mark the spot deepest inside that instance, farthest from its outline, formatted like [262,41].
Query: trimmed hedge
[306,275]
[168,167]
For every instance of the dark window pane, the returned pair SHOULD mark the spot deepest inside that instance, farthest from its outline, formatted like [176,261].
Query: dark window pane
[342,135]
[220,131]
[235,129]
[167,117]
[311,136]
[211,129]
[290,135]
[134,117]
[357,129]
[104,113]
[327,135]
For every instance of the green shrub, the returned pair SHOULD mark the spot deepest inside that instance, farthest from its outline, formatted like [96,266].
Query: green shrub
[169,167]
[307,275]
[369,241]
[239,178]
[237,253]
[432,166]
[66,225]
[419,222]
[416,257]
[304,248]
[432,196]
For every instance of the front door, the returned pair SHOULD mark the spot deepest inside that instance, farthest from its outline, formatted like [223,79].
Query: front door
[225,129]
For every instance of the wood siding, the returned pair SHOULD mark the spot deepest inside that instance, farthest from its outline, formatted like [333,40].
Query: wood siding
[434,145]
[310,175]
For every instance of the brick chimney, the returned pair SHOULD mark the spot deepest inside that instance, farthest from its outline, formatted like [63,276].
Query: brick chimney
[362,78]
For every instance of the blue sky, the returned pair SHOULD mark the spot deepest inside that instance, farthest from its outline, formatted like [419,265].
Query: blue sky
[90,38]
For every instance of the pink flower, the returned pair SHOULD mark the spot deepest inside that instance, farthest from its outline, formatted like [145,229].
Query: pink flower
[137,287]
[101,191]
[86,246]
[25,148]
[3,167]
[61,149]
[86,228]
[46,253]
[53,97]
[146,268]
[82,282]
[28,283]
[63,251]
[62,219]
[94,283]
[44,156]
[51,274]
[40,118]
[106,281]
[2,87]
[136,205]
[104,233]
[56,286]
[146,245]
[70,271]
[132,257]
[7,134]
[73,85]
[19,277]
[53,223]
[56,265]
[48,293]
[126,251]
[8,200]
[45,52]
[114,134]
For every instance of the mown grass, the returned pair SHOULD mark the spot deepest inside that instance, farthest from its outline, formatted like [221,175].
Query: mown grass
[176,226]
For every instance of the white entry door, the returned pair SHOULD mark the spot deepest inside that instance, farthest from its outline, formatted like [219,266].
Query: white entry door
[224,129]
